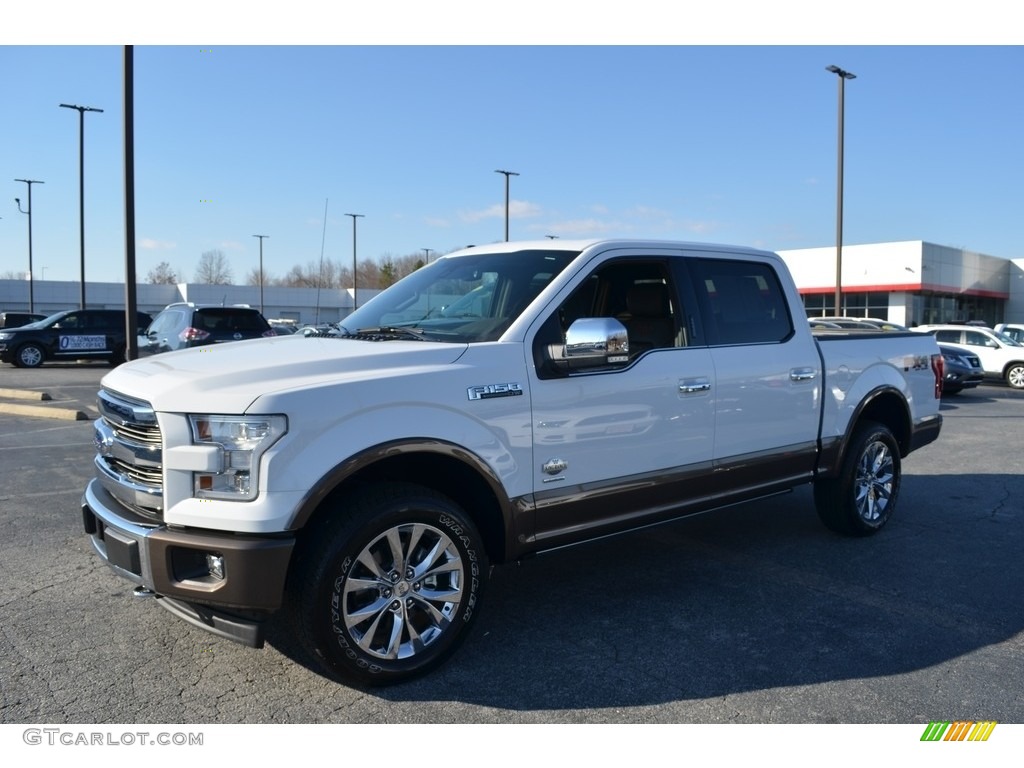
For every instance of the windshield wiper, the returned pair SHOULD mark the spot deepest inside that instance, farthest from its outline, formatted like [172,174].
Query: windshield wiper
[392,331]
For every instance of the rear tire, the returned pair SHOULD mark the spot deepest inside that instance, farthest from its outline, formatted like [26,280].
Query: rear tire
[388,591]
[862,499]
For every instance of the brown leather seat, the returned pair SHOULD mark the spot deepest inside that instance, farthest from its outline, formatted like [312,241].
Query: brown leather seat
[648,319]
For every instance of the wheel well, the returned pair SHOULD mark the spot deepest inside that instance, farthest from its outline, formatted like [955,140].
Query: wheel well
[443,473]
[889,409]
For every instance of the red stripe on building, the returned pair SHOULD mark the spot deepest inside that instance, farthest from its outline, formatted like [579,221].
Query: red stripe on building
[906,287]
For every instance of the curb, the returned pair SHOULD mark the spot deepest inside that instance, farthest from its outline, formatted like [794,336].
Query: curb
[24,394]
[43,411]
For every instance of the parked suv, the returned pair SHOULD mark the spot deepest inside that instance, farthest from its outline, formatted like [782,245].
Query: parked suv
[18,319]
[184,325]
[1000,356]
[963,369]
[75,334]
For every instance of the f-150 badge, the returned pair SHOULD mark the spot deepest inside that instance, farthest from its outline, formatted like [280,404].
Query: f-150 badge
[488,391]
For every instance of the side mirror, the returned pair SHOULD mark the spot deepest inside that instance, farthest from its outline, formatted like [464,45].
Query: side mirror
[592,342]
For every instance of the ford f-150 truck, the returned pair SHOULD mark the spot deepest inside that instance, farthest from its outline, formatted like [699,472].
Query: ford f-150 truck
[498,402]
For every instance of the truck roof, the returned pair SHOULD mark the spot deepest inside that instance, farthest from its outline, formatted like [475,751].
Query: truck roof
[579,245]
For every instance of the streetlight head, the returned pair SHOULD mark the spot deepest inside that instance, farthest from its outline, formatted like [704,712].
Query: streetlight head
[841,72]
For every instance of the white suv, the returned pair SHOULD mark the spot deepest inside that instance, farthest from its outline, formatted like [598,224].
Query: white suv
[1000,355]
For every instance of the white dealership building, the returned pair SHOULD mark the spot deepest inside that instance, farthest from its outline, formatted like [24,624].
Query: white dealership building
[911,283]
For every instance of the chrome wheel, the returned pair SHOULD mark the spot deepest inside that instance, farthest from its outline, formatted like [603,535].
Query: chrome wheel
[874,482]
[388,583]
[403,591]
[860,499]
[30,356]
[1015,377]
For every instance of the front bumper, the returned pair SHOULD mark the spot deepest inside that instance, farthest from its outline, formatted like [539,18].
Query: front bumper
[171,564]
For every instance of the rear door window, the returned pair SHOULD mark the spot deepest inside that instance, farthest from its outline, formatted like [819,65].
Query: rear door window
[742,302]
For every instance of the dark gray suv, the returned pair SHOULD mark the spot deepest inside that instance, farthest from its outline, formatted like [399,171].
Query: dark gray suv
[76,334]
[185,325]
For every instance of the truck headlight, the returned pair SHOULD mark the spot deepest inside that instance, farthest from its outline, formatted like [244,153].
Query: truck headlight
[242,440]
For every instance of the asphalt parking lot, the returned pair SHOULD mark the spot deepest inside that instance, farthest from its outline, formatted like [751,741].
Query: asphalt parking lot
[754,614]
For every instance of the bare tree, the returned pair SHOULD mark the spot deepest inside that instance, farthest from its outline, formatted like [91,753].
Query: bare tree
[303,277]
[252,277]
[337,274]
[162,274]
[213,269]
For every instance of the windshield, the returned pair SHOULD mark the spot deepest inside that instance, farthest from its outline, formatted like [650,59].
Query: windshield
[46,322]
[468,298]
[1007,340]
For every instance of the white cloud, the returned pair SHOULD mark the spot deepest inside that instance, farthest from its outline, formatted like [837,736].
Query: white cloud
[517,209]
[149,244]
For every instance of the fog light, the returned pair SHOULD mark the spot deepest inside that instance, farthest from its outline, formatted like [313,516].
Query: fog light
[215,565]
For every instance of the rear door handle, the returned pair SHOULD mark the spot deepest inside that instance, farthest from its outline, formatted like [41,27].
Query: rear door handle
[802,374]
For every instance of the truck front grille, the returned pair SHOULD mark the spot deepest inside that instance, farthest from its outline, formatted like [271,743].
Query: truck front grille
[129,453]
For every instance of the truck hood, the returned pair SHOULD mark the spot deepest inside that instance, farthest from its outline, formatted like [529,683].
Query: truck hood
[228,378]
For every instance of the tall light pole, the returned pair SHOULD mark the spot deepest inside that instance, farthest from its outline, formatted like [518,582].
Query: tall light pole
[843,77]
[261,269]
[355,301]
[81,191]
[31,295]
[427,251]
[507,174]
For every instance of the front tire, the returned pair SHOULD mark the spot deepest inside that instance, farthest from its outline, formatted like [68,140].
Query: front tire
[389,591]
[862,499]
[29,356]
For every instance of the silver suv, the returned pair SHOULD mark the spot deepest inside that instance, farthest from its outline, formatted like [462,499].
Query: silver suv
[185,325]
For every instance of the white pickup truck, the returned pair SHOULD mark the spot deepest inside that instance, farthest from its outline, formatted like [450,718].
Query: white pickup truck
[499,402]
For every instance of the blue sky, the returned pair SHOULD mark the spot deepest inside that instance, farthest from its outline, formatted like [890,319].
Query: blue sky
[721,143]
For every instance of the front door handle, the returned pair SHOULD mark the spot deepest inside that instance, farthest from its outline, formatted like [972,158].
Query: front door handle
[694,386]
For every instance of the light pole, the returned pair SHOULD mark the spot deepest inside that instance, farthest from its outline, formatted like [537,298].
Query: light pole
[81,191]
[427,251]
[29,182]
[507,174]
[843,77]
[261,269]
[355,301]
